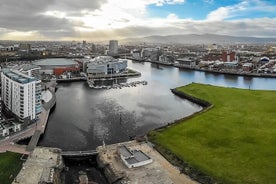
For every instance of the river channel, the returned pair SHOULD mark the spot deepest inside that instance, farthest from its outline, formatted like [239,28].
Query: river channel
[83,117]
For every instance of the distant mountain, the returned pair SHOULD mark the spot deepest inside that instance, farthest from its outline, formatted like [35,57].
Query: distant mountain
[199,39]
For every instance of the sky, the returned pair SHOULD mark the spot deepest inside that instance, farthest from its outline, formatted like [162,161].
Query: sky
[96,20]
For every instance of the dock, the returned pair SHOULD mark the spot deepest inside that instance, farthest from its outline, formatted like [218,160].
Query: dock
[131,73]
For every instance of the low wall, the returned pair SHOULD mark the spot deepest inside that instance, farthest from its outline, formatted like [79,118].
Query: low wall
[206,106]
[183,166]
[111,174]
[198,101]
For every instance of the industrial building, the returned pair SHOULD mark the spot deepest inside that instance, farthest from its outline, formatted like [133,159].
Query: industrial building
[21,94]
[104,65]
[57,66]
[185,62]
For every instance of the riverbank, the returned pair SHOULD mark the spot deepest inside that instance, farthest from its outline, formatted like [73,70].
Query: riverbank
[233,142]
[245,74]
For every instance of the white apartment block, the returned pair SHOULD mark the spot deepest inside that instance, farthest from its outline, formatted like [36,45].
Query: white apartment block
[21,94]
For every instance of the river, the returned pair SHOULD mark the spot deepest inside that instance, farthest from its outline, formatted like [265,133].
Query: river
[83,117]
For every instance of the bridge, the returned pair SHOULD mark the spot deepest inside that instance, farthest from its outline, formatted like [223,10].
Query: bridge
[79,153]
[33,142]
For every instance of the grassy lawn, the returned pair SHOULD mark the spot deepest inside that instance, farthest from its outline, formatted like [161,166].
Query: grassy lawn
[234,142]
[10,164]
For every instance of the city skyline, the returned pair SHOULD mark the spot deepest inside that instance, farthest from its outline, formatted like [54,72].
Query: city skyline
[117,19]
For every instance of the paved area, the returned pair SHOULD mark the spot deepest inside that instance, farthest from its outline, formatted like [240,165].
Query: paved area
[8,144]
[34,140]
[159,171]
[42,166]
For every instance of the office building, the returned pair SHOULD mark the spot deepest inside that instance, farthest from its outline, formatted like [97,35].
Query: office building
[104,65]
[113,48]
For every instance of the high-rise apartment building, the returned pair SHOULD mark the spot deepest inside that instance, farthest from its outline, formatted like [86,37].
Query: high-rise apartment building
[113,47]
[21,95]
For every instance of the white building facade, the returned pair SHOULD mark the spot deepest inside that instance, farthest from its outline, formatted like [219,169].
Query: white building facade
[21,94]
[104,65]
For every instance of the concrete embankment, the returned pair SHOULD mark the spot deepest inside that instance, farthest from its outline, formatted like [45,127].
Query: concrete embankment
[74,79]
[263,75]
[204,104]
[198,101]
[111,174]
[158,171]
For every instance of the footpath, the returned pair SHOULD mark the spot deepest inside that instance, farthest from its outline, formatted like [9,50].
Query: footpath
[9,143]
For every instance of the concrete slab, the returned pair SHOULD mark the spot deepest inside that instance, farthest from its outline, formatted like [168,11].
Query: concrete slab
[159,171]
[41,166]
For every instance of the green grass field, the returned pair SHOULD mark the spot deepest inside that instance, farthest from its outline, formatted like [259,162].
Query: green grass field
[10,164]
[233,142]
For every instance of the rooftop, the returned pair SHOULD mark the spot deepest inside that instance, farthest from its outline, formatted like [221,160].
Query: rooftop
[18,76]
[54,62]
[104,59]
[28,67]
[132,156]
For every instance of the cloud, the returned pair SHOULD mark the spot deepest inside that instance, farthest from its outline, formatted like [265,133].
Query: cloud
[227,12]
[163,2]
[262,27]
[172,16]
[245,8]
[30,17]
[69,5]
[209,1]
[117,19]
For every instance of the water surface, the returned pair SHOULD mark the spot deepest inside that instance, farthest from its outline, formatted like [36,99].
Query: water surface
[83,117]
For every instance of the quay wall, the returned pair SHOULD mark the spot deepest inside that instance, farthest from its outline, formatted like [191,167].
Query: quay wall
[263,75]
[183,166]
[230,73]
[193,99]
[204,104]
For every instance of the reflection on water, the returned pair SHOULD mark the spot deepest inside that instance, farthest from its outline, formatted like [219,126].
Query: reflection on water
[84,117]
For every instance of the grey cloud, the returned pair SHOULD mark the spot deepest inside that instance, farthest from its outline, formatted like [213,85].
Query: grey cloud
[257,27]
[34,22]
[70,5]
[28,15]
